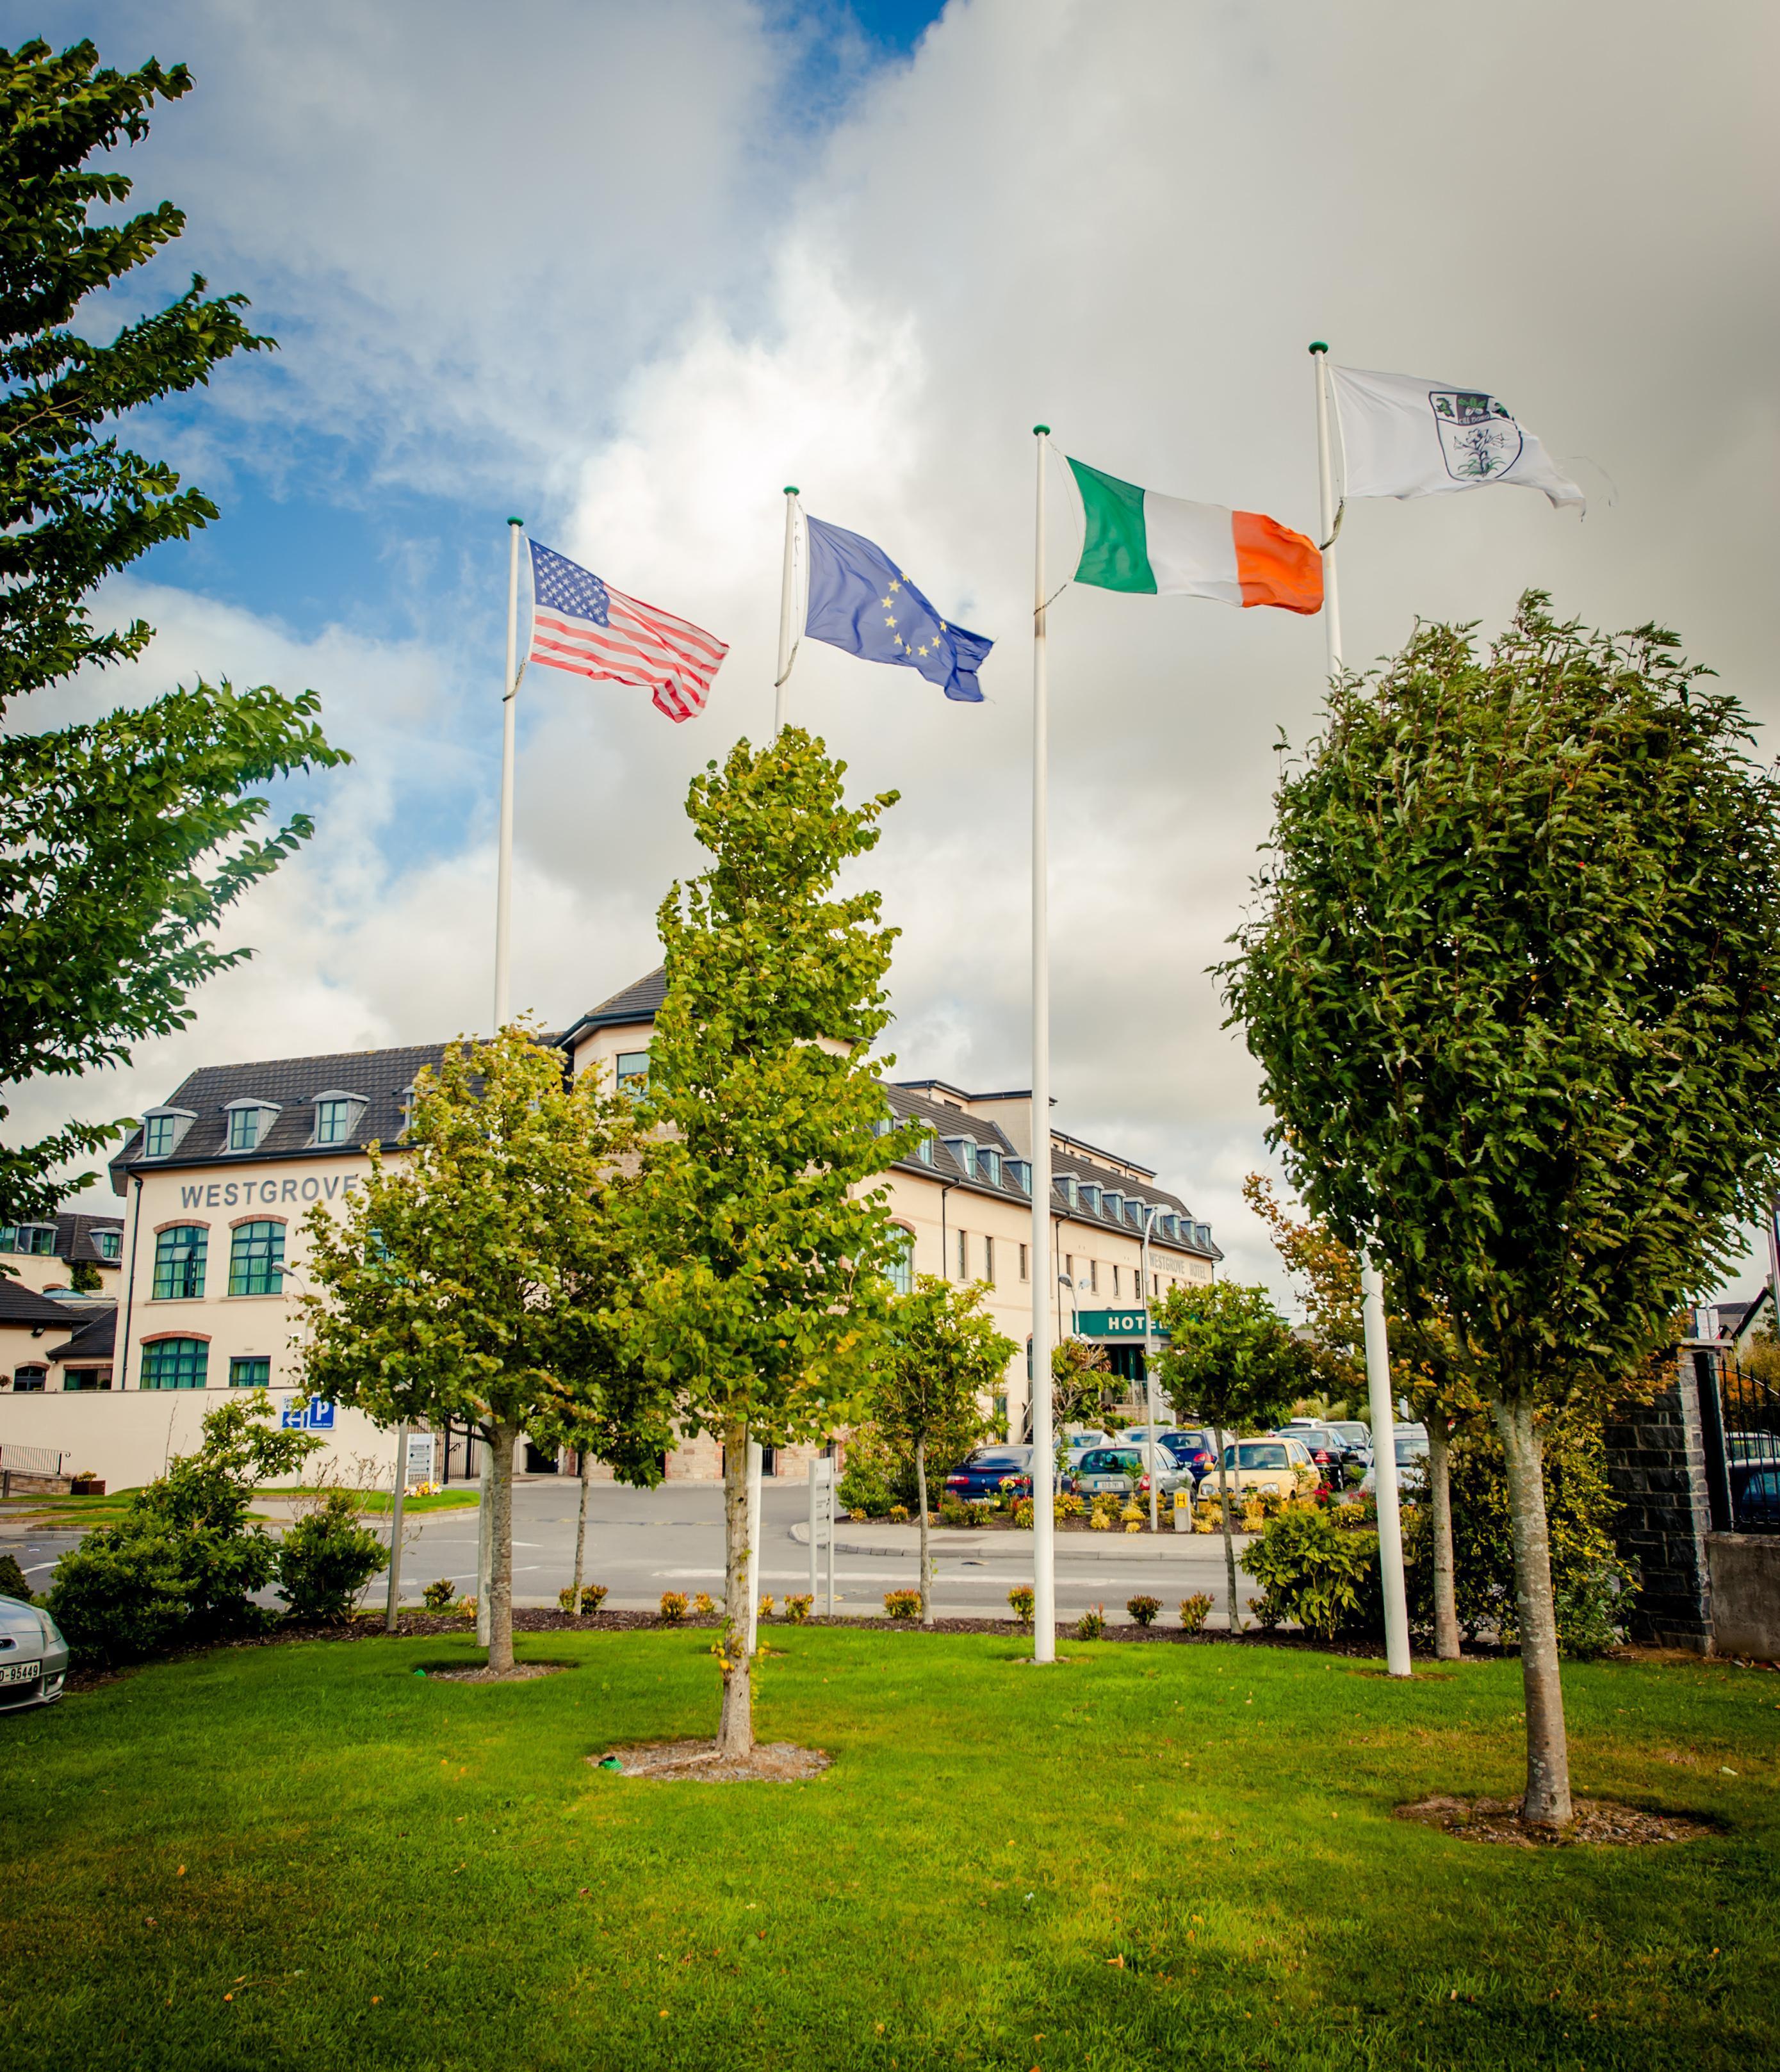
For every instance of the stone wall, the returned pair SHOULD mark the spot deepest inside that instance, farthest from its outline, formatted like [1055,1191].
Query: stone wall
[1656,1466]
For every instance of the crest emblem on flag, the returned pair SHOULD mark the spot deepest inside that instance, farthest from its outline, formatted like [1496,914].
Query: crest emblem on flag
[1478,437]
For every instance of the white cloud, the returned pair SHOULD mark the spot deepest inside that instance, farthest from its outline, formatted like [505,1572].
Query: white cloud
[1126,221]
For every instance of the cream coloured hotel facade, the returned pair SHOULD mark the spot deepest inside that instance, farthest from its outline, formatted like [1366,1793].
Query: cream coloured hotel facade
[216,1183]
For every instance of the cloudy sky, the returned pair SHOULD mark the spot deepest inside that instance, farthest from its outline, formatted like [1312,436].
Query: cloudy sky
[626,270]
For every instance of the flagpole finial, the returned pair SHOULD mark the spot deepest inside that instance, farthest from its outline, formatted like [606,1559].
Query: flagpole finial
[1040,431]
[516,521]
[791,488]
[1316,345]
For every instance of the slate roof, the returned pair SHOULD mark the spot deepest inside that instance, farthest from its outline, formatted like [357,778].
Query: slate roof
[19,1305]
[640,1002]
[291,1085]
[96,1340]
[75,1232]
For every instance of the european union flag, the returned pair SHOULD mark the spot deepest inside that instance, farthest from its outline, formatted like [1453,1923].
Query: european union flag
[860,600]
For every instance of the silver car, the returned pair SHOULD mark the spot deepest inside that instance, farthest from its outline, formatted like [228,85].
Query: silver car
[34,1657]
[1125,1470]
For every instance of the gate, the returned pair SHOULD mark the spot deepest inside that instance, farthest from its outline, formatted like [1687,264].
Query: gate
[1740,1426]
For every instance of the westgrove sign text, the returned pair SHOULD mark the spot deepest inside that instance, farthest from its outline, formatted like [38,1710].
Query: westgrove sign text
[250,1194]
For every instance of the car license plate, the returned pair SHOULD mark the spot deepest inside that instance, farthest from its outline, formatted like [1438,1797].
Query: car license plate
[20,1672]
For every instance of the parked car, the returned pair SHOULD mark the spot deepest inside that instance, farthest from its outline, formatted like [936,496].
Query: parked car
[1196,1450]
[1354,1436]
[34,1657]
[979,1476]
[1127,1471]
[1755,1492]
[1283,1465]
[1412,1451]
[1079,1443]
[1325,1448]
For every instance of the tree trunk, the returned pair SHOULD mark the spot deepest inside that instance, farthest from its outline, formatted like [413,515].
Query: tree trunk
[1547,1803]
[500,1546]
[926,1555]
[1229,1537]
[735,1728]
[585,1465]
[1440,1497]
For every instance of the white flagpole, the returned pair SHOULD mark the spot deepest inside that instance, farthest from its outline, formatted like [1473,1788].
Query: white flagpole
[1371,1281]
[503,881]
[1044,1549]
[787,596]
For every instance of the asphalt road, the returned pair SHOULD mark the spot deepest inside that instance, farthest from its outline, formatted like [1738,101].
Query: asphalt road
[641,1542]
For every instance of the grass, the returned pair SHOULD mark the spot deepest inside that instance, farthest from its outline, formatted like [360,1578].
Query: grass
[444,1499]
[309,1856]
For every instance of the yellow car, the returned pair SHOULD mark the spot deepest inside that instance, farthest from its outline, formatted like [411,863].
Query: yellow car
[1251,1466]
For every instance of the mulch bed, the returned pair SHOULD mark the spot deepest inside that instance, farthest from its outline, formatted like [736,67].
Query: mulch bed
[698,1762]
[521,1672]
[1603,1823]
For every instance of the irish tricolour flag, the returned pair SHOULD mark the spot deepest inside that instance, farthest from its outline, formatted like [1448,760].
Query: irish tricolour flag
[1134,540]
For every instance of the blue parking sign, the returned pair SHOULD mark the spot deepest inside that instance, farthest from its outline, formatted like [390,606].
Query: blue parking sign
[307,1414]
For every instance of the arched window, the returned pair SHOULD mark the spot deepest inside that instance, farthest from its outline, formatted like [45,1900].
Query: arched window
[179,1262]
[902,1272]
[255,1259]
[29,1380]
[175,1362]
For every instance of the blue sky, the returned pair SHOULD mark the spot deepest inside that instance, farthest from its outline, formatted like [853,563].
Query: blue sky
[626,270]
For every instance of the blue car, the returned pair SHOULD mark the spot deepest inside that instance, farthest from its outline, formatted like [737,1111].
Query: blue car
[979,1476]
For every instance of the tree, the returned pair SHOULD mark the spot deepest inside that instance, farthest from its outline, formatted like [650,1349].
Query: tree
[943,1355]
[474,1275]
[1080,1375]
[1513,983]
[184,1562]
[767,1291]
[123,841]
[1423,1371]
[1232,1356]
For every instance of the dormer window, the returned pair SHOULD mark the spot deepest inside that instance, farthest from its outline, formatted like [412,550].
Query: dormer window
[1019,1171]
[964,1150]
[1071,1190]
[1136,1212]
[109,1243]
[1091,1197]
[1113,1203]
[249,1123]
[337,1115]
[36,1240]
[988,1161]
[924,1150]
[162,1128]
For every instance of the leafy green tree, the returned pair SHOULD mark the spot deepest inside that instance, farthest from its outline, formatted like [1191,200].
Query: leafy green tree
[183,1563]
[123,841]
[1081,1374]
[942,1356]
[767,1289]
[1514,982]
[473,1276]
[1231,1357]
[1423,1372]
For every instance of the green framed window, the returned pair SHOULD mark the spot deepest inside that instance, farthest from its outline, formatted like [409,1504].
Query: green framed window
[901,1272]
[334,1120]
[110,1244]
[633,1071]
[174,1364]
[36,1239]
[161,1135]
[249,1373]
[179,1262]
[255,1259]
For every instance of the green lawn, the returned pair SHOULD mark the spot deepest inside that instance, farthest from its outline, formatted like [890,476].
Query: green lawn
[387,1870]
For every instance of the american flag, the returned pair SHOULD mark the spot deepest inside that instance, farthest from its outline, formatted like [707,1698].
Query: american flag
[586,627]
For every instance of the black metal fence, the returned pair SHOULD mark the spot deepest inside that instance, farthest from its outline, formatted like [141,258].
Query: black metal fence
[1740,1424]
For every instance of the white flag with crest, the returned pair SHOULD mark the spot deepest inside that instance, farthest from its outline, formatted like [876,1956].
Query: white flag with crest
[1401,436]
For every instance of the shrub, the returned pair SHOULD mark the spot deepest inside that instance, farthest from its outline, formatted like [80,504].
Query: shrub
[466,1608]
[181,1564]
[1192,1611]
[593,1596]
[767,1602]
[327,1558]
[438,1597]
[864,1487]
[1020,1601]
[673,1607]
[12,1579]
[704,1604]
[1022,1513]
[1101,1521]
[565,1597]
[952,1512]
[1133,1514]
[903,1604]
[1310,1570]
[1070,1505]
[1144,1610]
[1091,1624]
[797,1609]
[898,1513]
